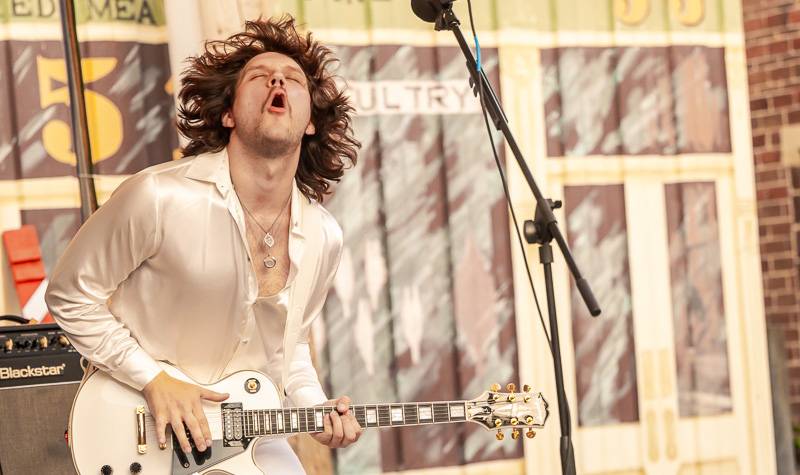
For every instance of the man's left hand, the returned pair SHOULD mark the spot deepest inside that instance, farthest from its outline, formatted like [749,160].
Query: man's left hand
[341,426]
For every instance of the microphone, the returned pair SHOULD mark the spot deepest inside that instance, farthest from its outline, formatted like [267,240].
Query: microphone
[428,10]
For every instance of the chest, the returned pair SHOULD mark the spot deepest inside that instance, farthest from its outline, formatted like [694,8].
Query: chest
[270,263]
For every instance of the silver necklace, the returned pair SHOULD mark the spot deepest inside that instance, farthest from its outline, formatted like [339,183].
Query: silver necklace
[269,241]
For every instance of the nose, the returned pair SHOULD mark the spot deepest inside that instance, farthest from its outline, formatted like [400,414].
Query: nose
[277,79]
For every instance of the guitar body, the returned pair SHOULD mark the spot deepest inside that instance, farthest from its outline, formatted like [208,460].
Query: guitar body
[103,428]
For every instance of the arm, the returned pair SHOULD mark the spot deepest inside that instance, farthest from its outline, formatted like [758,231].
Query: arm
[112,244]
[115,240]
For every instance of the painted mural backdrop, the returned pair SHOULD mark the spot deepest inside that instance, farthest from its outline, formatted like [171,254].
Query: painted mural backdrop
[422,305]
[128,96]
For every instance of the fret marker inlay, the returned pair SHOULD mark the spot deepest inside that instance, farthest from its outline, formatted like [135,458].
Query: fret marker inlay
[371,416]
[425,413]
[457,411]
[397,414]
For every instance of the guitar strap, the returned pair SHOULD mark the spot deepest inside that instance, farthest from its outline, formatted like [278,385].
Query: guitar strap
[303,286]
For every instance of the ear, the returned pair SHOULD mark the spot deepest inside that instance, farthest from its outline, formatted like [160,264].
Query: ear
[227,120]
[310,129]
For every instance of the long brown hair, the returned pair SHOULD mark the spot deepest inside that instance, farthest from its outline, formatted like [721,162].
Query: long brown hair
[209,87]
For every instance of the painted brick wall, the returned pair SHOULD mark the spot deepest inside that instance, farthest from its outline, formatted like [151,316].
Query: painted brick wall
[772,39]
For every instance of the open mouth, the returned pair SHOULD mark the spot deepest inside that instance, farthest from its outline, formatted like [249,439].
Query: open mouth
[277,103]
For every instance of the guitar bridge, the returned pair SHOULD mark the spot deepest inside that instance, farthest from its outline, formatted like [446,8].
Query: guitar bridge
[141,431]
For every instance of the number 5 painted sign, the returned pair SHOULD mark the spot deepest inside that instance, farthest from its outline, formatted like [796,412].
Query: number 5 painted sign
[633,12]
[103,116]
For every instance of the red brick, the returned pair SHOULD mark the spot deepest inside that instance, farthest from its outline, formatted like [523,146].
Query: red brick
[758,104]
[794,16]
[758,141]
[787,299]
[776,138]
[796,182]
[777,20]
[779,47]
[754,24]
[756,51]
[773,120]
[794,117]
[782,100]
[773,212]
[775,283]
[778,246]
[782,264]
[768,157]
[780,73]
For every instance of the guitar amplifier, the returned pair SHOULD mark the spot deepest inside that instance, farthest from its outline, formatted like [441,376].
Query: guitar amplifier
[39,376]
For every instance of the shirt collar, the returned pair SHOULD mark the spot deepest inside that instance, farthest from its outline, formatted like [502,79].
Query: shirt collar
[213,167]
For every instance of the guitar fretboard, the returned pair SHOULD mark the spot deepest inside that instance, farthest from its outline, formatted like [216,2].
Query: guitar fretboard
[310,419]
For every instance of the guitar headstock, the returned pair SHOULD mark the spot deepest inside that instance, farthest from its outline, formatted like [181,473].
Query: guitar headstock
[497,410]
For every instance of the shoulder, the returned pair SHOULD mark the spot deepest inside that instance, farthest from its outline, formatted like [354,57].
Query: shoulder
[332,231]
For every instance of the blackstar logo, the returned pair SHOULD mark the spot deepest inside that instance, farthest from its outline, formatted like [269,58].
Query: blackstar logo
[7,372]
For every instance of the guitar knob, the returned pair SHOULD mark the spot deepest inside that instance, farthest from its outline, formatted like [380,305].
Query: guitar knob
[526,388]
[136,467]
[106,470]
[500,435]
[530,434]
[515,434]
[494,387]
[511,387]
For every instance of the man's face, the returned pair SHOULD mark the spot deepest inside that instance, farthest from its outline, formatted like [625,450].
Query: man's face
[272,108]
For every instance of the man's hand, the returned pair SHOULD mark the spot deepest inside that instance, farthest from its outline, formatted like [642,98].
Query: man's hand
[341,426]
[175,402]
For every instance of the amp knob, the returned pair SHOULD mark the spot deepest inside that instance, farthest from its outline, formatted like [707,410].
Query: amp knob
[106,470]
[136,467]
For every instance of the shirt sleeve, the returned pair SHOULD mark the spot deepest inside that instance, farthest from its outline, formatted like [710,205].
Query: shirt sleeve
[112,243]
[303,386]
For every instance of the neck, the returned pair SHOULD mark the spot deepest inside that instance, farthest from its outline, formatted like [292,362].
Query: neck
[299,420]
[263,182]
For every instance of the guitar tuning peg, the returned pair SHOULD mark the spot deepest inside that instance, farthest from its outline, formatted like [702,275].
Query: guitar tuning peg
[526,388]
[500,435]
[494,387]
[512,398]
[530,434]
[529,420]
[498,422]
[511,387]
[527,398]
[515,434]
[514,421]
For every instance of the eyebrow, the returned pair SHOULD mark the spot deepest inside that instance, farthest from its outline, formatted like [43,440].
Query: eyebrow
[290,67]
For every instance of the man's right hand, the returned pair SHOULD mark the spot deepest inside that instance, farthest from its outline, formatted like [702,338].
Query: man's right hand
[177,403]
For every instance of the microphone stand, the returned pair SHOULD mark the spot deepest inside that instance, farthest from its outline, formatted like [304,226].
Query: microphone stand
[542,230]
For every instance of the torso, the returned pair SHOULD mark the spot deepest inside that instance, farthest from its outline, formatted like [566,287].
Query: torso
[270,281]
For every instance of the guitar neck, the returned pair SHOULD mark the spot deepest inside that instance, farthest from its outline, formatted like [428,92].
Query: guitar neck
[297,420]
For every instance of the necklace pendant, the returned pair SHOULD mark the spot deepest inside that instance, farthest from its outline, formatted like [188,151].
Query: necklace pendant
[269,241]
[270,262]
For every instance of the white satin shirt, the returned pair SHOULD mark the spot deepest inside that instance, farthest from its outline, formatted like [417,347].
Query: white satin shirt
[162,271]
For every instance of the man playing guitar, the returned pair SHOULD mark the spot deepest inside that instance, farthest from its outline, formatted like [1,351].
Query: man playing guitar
[220,261]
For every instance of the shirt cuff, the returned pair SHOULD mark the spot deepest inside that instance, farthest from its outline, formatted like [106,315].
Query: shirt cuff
[308,396]
[137,369]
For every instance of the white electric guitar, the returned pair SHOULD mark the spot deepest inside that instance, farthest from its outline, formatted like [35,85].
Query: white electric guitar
[111,431]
